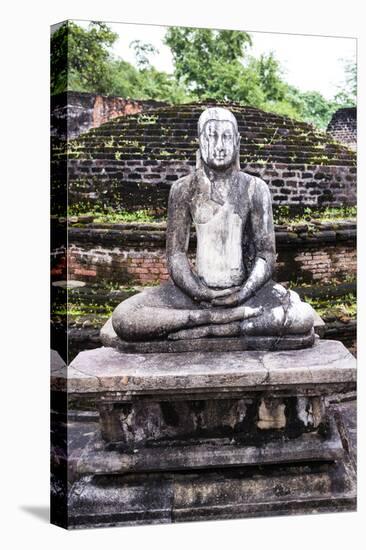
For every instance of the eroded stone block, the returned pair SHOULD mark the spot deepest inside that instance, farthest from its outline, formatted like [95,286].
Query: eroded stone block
[271,414]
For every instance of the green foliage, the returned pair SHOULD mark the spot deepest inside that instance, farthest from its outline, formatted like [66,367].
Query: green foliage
[81,62]
[217,65]
[312,107]
[282,215]
[142,52]
[347,95]
[112,216]
[208,64]
[147,83]
[270,74]
[342,307]
[80,58]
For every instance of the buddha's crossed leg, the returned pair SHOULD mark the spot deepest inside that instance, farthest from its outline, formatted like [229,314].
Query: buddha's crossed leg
[165,310]
[284,314]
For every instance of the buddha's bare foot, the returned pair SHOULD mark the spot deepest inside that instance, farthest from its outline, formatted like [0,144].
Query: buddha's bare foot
[205,331]
[222,316]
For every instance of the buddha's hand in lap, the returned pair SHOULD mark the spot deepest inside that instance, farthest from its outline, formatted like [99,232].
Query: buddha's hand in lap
[227,315]
[209,295]
[234,299]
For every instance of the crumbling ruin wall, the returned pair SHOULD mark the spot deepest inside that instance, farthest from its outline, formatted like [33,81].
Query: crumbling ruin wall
[131,256]
[343,126]
[130,162]
[83,111]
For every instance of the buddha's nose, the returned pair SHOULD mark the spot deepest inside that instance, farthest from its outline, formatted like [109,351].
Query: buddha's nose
[220,143]
[220,148]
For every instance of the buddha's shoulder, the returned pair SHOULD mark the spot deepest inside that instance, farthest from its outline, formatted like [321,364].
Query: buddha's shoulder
[254,184]
[182,186]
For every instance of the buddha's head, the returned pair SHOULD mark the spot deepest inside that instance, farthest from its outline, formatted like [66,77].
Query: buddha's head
[218,138]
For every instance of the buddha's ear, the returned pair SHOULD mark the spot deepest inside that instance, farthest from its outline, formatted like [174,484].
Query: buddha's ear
[237,160]
[198,159]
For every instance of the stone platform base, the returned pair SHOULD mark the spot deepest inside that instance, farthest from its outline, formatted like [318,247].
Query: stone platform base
[211,453]
[169,497]
[199,435]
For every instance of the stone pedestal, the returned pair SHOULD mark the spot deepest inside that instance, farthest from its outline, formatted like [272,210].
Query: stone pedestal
[210,435]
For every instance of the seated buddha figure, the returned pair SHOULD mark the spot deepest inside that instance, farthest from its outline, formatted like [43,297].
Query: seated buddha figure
[229,291]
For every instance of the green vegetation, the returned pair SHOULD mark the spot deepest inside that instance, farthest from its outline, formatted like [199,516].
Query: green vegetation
[282,215]
[343,308]
[81,61]
[335,282]
[208,64]
[81,310]
[112,216]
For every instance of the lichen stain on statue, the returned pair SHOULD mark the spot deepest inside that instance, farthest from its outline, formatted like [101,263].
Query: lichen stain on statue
[230,292]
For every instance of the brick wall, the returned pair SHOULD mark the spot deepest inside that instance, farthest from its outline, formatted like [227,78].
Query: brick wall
[343,126]
[84,111]
[133,257]
[131,162]
[135,185]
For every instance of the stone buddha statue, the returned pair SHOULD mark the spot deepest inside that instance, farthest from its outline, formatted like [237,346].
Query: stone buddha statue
[229,292]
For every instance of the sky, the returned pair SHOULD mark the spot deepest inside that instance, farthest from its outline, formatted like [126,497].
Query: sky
[308,62]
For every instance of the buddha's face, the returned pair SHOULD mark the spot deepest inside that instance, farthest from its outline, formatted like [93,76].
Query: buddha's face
[219,143]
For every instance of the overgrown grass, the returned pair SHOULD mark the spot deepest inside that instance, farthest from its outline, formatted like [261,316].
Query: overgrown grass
[113,216]
[124,217]
[343,307]
[348,278]
[282,215]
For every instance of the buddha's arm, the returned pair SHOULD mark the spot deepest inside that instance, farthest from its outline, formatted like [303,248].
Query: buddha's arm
[177,241]
[264,240]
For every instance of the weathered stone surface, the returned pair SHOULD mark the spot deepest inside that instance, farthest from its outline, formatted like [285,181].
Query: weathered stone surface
[153,421]
[148,498]
[217,494]
[134,254]
[58,370]
[57,363]
[73,113]
[197,410]
[343,126]
[325,367]
[98,458]
[164,150]
[224,343]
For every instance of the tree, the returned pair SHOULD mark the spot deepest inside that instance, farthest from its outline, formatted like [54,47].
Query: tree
[316,109]
[143,50]
[218,65]
[205,58]
[270,75]
[347,95]
[208,64]
[80,59]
